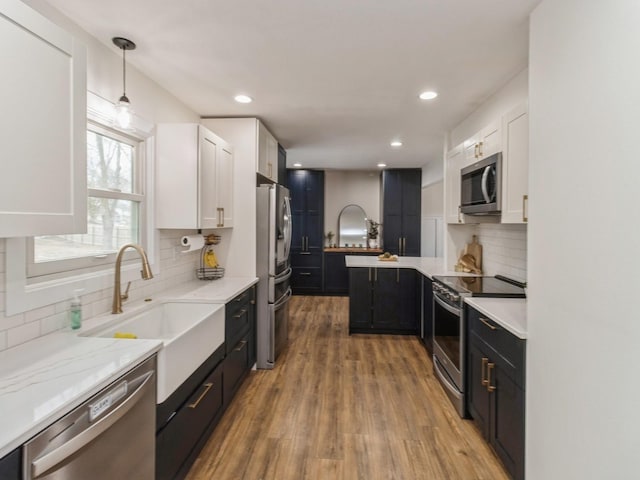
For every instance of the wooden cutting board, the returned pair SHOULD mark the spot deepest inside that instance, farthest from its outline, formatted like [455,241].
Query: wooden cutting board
[475,249]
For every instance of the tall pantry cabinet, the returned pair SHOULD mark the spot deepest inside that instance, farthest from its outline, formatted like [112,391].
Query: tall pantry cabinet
[307,239]
[401,207]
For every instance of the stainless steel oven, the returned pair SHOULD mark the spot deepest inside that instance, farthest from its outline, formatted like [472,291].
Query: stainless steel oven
[449,326]
[448,343]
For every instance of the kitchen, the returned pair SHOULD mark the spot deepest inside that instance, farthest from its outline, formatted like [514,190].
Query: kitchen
[580,84]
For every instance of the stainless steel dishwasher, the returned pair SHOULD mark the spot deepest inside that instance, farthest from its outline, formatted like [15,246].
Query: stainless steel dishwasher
[110,436]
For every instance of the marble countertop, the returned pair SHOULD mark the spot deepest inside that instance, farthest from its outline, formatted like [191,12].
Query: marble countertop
[44,379]
[510,313]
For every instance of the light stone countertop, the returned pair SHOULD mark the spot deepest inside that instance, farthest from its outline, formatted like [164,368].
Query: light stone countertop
[44,379]
[510,313]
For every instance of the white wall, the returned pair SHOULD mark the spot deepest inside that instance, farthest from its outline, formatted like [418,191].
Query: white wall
[432,236]
[342,188]
[154,104]
[583,385]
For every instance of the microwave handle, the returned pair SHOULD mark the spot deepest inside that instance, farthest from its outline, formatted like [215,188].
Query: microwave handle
[485,177]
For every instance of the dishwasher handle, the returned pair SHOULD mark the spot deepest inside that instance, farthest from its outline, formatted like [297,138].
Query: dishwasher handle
[48,461]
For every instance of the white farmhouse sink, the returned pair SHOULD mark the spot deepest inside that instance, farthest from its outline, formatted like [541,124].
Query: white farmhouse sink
[190,333]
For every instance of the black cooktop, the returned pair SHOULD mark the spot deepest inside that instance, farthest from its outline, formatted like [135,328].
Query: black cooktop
[484,286]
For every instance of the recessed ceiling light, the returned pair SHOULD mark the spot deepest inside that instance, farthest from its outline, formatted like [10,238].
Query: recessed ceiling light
[243,99]
[429,95]
[396,143]
[382,165]
[297,164]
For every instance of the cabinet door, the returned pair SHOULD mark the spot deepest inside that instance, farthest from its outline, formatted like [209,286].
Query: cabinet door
[408,295]
[208,213]
[360,299]
[453,164]
[506,431]
[267,161]
[490,138]
[224,184]
[43,126]
[387,311]
[515,165]
[336,274]
[477,395]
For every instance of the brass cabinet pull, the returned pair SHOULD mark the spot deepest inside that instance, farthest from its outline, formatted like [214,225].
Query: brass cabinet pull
[305,274]
[484,380]
[241,314]
[375,274]
[241,297]
[369,275]
[459,213]
[399,245]
[492,327]
[490,366]
[404,245]
[270,167]
[475,151]
[207,387]
[397,275]
[525,203]
[240,346]
[480,150]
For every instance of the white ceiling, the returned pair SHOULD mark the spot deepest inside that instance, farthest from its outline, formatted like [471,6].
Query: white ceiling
[334,80]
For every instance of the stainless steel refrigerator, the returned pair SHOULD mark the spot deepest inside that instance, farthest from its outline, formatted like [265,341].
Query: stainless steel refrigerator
[273,270]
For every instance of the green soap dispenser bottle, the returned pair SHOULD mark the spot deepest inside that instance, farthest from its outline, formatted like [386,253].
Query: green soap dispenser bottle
[75,312]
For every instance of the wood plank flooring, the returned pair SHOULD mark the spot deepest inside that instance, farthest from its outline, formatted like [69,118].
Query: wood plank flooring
[340,407]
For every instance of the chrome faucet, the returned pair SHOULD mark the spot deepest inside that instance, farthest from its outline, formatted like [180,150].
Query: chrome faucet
[145,273]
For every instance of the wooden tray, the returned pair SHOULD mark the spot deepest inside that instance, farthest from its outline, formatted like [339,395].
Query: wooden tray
[390,259]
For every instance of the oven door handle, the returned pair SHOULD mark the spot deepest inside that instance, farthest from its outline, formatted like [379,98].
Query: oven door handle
[446,306]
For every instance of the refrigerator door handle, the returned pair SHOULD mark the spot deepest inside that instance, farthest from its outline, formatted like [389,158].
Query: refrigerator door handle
[284,276]
[287,227]
[282,300]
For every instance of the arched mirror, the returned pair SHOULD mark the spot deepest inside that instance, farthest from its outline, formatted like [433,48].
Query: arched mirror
[352,225]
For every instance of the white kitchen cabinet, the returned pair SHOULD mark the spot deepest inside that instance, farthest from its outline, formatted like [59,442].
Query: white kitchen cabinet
[453,163]
[267,161]
[483,144]
[515,165]
[194,178]
[43,184]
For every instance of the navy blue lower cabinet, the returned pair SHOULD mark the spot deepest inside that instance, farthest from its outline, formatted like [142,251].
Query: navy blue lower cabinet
[11,465]
[383,300]
[495,388]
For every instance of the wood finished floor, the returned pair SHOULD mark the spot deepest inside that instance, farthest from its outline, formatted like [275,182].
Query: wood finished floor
[344,407]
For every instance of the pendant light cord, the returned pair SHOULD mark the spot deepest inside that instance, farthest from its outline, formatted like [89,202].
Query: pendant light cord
[124,73]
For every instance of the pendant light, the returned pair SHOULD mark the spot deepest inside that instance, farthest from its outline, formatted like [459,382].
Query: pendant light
[123,107]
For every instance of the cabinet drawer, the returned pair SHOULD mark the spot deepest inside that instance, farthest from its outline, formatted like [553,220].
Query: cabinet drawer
[236,364]
[238,318]
[306,278]
[306,259]
[510,348]
[175,443]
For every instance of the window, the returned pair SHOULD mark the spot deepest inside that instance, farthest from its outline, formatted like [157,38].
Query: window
[115,210]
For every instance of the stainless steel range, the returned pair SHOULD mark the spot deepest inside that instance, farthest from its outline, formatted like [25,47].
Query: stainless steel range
[449,326]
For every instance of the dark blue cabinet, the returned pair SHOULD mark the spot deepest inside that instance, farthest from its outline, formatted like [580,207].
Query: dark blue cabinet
[383,300]
[307,240]
[495,398]
[401,207]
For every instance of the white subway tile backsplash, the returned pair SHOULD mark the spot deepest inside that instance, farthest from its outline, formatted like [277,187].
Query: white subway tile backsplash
[504,250]
[3,340]
[13,321]
[23,333]
[54,322]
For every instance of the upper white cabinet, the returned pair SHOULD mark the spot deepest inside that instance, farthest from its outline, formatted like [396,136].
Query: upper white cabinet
[43,184]
[267,161]
[453,163]
[515,165]
[194,178]
[483,144]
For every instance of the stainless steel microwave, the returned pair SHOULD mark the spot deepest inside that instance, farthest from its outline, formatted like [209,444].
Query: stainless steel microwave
[480,186]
